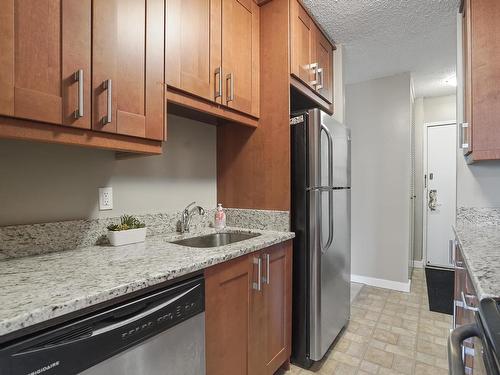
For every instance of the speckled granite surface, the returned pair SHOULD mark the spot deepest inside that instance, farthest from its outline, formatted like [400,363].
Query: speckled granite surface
[38,288]
[478,216]
[26,240]
[478,232]
[258,219]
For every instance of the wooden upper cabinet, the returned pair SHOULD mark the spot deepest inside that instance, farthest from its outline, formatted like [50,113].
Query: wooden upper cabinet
[240,55]
[302,39]
[311,53]
[212,51]
[193,39]
[128,67]
[481,47]
[43,44]
[324,58]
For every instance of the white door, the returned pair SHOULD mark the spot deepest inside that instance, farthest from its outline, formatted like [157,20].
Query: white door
[440,194]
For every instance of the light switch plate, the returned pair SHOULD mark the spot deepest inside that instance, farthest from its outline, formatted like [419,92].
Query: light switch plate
[105,198]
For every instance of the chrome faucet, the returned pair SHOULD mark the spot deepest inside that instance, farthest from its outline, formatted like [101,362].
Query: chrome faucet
[187,214]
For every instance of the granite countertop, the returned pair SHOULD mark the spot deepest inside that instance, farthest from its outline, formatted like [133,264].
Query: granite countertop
[480,245]
[38,288]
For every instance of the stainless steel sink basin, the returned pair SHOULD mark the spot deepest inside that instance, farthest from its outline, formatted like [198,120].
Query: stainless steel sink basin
[216,239]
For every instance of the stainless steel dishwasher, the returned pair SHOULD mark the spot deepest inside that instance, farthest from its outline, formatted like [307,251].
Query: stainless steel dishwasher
[160,333]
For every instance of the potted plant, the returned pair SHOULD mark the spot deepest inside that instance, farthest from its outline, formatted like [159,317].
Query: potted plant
[130,230]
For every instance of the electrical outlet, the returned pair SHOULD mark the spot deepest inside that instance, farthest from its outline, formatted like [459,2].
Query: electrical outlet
[105,198]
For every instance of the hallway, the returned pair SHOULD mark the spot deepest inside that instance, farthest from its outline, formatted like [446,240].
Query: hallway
[390,333]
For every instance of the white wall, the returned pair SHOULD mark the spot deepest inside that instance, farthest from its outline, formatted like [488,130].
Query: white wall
[378,112]
[44,182]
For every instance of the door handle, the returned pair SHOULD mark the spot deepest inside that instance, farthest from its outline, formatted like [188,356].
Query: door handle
[218,73]
[258,285]
[433,204]
[230,96]
[79,78]
[108,85]
[330,185]
[451,247]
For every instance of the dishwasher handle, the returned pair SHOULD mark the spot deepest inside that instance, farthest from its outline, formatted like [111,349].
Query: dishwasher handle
[457,337]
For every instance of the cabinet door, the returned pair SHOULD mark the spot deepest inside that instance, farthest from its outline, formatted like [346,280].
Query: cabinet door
[240,55]
[467,66]
[302,39]
[193,52]
[324,59]
[128,65]
[228,294]
[43,44]
[485,71]
[278,299]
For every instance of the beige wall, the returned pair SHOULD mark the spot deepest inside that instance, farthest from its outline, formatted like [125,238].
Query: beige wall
[378,112]
[44,182]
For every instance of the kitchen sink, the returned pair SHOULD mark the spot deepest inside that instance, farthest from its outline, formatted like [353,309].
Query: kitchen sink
[216,239]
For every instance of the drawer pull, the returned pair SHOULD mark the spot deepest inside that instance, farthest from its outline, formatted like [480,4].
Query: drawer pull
[258,285]
[464,301]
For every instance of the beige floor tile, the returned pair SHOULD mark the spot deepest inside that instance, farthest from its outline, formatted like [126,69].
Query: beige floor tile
[389,333]
[379,357]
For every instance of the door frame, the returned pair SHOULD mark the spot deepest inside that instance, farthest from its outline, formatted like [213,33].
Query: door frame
[424,190]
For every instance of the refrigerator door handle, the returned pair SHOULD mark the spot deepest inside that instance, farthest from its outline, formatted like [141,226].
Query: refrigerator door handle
[330,192]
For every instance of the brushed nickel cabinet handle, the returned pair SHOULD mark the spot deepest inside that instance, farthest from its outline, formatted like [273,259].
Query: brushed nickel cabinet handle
[258,285]
[314,67]
[218,73]
[79,112]
[230,96]
[463,128]
[108,85]
[319,86]
[267,279]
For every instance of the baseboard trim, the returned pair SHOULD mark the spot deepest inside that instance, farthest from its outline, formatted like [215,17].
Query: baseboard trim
[382,283]
[418,264]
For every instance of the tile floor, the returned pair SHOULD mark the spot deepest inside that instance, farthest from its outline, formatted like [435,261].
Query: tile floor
[389,333]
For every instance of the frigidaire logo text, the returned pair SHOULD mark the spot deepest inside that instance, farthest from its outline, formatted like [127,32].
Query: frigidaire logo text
[44,368]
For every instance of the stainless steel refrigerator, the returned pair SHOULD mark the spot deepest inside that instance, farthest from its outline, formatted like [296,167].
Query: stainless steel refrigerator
[320,218]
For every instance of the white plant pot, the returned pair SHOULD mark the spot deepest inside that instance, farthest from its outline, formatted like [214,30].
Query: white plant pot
[125,237]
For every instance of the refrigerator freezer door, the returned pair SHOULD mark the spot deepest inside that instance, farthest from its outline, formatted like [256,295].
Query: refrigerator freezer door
[341,150]
[328,150]
[330,271]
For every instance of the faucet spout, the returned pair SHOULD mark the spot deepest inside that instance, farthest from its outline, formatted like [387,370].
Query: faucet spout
[187,215]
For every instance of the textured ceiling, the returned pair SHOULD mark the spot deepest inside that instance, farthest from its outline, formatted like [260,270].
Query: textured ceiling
[385,37]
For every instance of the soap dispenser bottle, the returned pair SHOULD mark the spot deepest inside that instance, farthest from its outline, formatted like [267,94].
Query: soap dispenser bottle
[220,217]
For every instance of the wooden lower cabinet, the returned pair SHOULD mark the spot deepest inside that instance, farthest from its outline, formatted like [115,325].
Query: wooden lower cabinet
[247,329]
[465,304]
